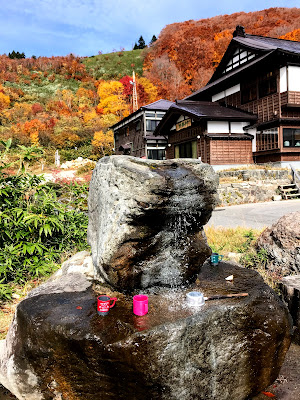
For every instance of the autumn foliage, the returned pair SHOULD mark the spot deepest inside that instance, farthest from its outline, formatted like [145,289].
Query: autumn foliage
[78,112]
[57,102]
[185,55]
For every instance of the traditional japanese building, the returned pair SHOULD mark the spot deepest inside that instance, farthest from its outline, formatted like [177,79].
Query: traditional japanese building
[259,75]
[208,131]
[134,136]
[248,112]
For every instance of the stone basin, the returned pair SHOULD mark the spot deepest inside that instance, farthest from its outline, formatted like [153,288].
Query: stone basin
[59,347]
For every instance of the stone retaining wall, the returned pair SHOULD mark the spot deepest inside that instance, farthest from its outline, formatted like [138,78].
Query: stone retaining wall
[251,186]
[254,174]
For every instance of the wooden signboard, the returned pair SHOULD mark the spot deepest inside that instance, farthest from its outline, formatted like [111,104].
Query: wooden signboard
[183,124]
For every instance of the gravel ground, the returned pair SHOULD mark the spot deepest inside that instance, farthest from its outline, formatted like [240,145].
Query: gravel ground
[286,386]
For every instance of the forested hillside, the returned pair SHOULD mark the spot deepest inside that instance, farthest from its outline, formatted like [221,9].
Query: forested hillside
[185,55]
[69,103]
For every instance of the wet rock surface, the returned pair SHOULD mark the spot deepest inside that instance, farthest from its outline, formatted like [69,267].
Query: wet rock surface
[290,289]
[146,219]
[281,242]
[58,346]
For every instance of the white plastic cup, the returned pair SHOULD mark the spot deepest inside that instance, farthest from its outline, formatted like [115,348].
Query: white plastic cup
[195,299]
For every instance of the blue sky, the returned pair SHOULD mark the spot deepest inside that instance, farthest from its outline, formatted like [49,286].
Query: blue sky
[83,27]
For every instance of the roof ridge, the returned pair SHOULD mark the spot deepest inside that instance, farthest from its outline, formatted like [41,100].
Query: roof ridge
[270,37]
[156,102]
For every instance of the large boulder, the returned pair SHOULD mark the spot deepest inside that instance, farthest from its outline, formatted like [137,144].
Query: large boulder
[146,219]
[281,244]
[59,348]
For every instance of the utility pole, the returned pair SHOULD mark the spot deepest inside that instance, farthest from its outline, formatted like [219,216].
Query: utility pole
[135,106]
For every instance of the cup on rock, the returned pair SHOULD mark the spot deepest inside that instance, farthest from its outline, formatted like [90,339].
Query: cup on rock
[104,304]
[195,299]
[215,258]
[140,304]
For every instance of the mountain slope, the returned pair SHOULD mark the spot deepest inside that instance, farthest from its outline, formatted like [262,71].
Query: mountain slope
[191,50]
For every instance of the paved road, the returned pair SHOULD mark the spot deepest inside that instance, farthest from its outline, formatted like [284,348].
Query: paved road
[257,215]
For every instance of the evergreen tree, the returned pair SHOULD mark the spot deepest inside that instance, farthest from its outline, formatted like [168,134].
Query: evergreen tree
[154,39]
[14,54]
[141,43]
[135,46]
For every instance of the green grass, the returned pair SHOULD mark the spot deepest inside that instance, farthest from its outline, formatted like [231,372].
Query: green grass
[42,92]
[115,65]
[231,240]
[240,241]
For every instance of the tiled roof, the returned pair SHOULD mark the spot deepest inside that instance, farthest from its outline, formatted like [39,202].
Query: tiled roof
[206,109]
[158,105]
[268,43]
[201,110]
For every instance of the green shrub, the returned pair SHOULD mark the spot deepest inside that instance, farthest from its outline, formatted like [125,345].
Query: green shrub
[89,166]
[71,154]
[36,229]
[5,292]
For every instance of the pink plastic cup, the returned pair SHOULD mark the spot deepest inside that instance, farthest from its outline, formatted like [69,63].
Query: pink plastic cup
[140,304]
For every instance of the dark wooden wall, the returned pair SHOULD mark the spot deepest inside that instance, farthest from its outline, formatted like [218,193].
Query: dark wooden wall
[230,152]
[130,135]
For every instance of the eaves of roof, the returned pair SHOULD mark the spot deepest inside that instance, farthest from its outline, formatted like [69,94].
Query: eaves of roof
[229,136]
[201,110]
[159,105]
[210,110]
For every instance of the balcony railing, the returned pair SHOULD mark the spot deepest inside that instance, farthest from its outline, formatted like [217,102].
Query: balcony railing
[266,141]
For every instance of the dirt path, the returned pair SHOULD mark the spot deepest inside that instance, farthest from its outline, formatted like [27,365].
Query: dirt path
[286,386]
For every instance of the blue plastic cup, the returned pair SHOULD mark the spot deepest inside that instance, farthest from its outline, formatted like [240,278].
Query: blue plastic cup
[215,258]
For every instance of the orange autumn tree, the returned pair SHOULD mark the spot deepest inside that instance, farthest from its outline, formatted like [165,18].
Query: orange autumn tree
[294,35]
[103,143]
[4,100]
[150,90]
[197,46]
[167,77]
[112,99]
[32,129]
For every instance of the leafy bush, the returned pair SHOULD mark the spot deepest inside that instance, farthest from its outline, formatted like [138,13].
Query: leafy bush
[36,229]
[71,154]
[5,292]
[90,166]
[71,193]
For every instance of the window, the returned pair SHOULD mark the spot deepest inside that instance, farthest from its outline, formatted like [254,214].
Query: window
[156,154]
[151,124]
[160,114]
[291,137]
[240,56]
[186,150]
[267,139]
[150,114]
[254,89]
[138,126]
[249,92]
[267,84]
